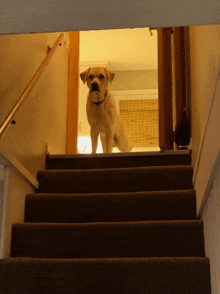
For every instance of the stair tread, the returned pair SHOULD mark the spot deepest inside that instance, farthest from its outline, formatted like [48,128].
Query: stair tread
[113,194]
[124,154]
[131,223]
[92,161]
[121,169]
[23,260]
[111,276]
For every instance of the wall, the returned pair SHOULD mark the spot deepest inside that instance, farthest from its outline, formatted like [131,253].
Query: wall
[211,218]
[205,66]
[42,119]
[205,105]
[1,195]
[124,50]
[135,80]
[204,58]
[15,189]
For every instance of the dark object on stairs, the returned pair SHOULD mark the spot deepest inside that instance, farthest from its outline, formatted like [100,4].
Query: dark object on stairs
[101,229]
[182,132]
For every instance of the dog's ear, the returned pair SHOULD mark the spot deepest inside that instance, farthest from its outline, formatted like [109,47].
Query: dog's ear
[84,75]
[110,75]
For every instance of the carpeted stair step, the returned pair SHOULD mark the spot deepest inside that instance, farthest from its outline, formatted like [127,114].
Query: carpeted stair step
[156,178]
[119,223]
[109,276]
[111,207]
[115,160]
[106,240]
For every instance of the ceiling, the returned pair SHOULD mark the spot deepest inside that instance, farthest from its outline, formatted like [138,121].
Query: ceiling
[130,49]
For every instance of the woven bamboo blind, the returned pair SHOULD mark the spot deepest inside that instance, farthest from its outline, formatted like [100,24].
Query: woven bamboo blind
[141,120]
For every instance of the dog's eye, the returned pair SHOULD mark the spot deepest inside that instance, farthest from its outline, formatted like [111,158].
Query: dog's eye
[90,77]
[101,77]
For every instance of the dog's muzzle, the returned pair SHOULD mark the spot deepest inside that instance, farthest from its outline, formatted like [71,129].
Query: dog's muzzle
[94,87]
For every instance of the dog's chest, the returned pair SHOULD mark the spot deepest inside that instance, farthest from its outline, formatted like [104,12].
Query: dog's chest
[98,115]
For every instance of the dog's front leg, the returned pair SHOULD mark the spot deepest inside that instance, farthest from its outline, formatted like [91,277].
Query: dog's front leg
[94,138]
[109,141]
[103,141]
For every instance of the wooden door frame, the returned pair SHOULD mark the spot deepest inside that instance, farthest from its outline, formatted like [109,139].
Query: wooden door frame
[72,100]
[179,72]
[172,82]
[171,86]
[165,89]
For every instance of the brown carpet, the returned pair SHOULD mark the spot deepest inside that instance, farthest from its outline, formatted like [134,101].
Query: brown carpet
[103,240]
[101,229]
[88,161]
[117,207]
[133,179]
[100,276]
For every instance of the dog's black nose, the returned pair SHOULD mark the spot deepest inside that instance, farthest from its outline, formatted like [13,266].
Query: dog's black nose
[95,87]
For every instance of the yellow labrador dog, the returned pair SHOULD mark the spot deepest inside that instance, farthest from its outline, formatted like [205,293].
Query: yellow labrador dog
[101,112]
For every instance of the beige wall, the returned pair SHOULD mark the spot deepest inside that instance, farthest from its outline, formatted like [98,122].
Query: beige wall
[135,80]
[204,58]
[205,89]
[42,119]
[205,121]
[122,50]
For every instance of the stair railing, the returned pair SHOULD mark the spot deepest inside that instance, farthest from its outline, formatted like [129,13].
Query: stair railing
[9,119]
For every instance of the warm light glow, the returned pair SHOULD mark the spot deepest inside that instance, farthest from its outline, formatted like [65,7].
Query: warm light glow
[84,146]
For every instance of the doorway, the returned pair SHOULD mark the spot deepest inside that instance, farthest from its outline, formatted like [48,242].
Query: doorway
[132,55]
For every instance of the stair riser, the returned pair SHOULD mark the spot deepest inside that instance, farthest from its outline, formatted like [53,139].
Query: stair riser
[145,239]
[118,180]
[94,162]
[141,206]
[106,276]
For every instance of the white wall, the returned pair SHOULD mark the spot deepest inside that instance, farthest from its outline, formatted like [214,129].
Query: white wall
[42,119]
[211,218]
[15,189]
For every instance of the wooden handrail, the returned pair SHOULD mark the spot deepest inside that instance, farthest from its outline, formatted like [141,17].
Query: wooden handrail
[29,87]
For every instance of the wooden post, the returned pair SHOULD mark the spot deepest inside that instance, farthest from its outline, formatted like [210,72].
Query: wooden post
[179,70]
[165,89]
[72,103]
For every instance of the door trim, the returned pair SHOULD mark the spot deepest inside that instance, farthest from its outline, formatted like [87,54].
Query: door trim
[72,100]
[165,89]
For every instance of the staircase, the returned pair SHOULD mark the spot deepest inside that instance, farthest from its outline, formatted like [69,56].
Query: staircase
[110,224]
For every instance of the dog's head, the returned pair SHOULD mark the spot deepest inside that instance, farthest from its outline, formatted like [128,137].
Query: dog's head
[97,79]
